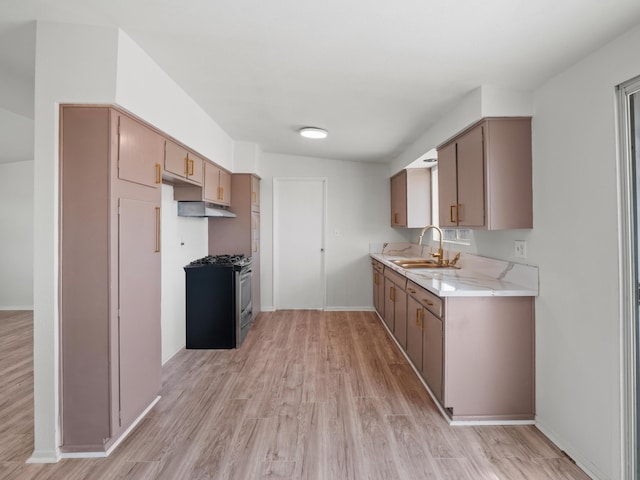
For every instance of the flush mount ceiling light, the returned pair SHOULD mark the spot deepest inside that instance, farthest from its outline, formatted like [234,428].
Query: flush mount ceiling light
[313,132]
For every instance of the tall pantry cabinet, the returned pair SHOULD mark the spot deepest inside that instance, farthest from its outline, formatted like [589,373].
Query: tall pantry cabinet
[241,235]
[110,195]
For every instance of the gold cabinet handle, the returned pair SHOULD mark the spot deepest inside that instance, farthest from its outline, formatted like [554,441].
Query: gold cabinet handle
[421,317]
[451,213]
[375,278]
[158,173]
[392,294]
[428,302]
[255,247]
[221,193]
[186,166]
[395,218]
[411,290]
[157,230]
[255,197]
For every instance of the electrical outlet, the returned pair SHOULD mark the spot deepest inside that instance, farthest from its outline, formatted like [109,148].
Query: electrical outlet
[521,249]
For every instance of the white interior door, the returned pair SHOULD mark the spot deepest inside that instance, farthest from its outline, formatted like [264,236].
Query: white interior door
[298,231]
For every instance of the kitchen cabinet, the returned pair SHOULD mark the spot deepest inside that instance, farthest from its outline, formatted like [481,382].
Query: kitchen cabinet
[427,346]
[378,287]
[488,362]
[411,198]
[182,164]
[110,174]
[484,176]
[414,330]
[216,188]
[476,354]
[241,234]
[395,305]
[255,194]
[217,185]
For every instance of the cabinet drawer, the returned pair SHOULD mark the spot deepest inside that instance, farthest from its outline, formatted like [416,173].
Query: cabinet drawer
[428,300]
[377,266]
[395,278]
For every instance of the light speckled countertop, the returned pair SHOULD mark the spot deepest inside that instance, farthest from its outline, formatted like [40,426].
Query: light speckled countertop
[477,276]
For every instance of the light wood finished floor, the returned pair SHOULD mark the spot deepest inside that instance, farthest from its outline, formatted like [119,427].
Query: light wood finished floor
[310,395]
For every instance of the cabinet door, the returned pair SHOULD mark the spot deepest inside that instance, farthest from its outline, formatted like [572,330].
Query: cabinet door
[255,194]
[400,317]
[140,153]
[211,183]
[381,301]
[225,187]
[447,186]
[195,167]
[432,353]
[471,178]
[255,233]
[414,331]
[175,159]
[389,307]
[139,297]
[399,199]
[377,279]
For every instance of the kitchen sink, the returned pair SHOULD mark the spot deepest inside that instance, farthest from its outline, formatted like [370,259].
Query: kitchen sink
[420,263]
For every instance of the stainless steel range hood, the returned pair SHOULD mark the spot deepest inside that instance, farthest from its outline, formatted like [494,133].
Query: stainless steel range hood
[202,209]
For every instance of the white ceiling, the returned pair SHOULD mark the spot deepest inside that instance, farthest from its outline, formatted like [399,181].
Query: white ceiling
[375,74]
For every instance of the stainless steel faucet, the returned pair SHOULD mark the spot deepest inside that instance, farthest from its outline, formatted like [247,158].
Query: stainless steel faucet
[440,251]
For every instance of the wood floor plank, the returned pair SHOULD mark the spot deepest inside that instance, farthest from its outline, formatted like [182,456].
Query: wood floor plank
[309,395]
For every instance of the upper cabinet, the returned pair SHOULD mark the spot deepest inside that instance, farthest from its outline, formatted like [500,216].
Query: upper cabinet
[181,163]
[255,194]
[217,185]
[484,176]
[139,153]
[411,198]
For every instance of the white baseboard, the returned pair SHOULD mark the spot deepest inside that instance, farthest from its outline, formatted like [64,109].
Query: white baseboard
[349,309]
[580,460]
[331,309]
[182,347]
[16,308]
[116,443]
[44,456]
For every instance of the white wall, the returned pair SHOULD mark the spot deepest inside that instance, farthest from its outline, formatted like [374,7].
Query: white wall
[578,367]
[358,207]
[16,236]
[82,64]
[575,222]
[146,90]
[183,239]
[73,64]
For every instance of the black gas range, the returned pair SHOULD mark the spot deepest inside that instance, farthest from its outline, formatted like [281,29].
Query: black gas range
[218,301]
[228,260]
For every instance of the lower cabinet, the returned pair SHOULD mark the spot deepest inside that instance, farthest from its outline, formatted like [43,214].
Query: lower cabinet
[476,354]
[432,350]
[395,305]
[378,287]
[414,331]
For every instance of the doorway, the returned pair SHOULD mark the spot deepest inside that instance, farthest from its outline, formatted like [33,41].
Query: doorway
[299,206]
[629,242]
